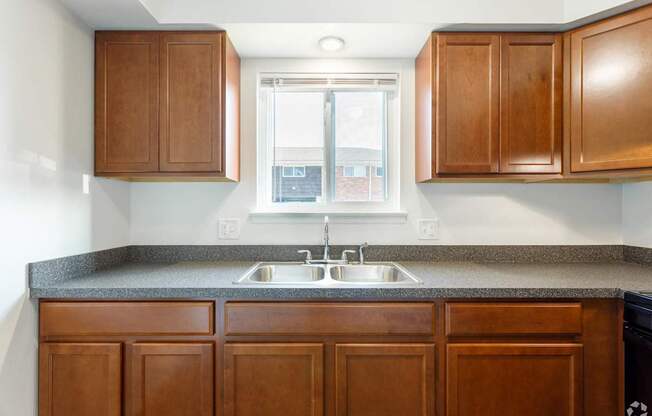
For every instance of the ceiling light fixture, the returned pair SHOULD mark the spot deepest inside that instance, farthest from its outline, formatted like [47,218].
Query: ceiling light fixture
[331,43]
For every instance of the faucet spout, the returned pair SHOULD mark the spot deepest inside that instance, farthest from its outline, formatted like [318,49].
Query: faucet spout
[326,240]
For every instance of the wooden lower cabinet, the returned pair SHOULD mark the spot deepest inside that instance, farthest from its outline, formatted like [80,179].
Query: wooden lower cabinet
[385,379]
[470,357]
[273,379]
[514,379]
[174,379]
[80,379]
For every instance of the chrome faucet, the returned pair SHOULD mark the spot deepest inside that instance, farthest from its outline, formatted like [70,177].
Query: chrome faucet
[327,251]
[326,240]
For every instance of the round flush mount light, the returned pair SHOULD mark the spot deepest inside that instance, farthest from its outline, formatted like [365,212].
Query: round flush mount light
[331,43]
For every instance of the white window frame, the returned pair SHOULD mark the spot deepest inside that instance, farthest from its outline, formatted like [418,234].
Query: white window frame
[326,204]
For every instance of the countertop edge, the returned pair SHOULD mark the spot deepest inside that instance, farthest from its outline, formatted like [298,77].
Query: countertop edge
[320,293]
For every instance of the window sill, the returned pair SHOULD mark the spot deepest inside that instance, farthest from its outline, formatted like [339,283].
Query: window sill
[335,217]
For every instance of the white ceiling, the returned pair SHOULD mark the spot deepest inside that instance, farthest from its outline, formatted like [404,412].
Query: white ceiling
[371,28]
[356,11]
[363,40]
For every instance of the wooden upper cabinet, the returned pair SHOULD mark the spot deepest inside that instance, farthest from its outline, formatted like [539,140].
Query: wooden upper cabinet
[126,102]
[424,116]
[468,101]
[385,379]
[80,379]
[531,103]
[174,379]
[488,104]
[514,379]
[611,85]
[273,379]
[191,106]
[167,105]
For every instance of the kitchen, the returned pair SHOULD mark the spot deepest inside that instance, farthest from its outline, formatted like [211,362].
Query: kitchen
[315,209]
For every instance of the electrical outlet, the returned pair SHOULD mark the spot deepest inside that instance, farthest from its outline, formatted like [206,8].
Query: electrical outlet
[86,183]
[428,229]
[228,228]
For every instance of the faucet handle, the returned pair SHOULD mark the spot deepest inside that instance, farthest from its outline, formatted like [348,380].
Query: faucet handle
[361,249]
[345,253]
[307,253]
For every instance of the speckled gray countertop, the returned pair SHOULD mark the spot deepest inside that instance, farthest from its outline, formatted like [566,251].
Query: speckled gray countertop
[209,279]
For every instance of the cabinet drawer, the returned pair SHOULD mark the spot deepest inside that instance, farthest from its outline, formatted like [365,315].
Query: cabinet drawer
[289,318]
[513,318]
[126,318]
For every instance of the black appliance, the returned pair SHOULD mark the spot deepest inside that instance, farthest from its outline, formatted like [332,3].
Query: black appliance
[637,335]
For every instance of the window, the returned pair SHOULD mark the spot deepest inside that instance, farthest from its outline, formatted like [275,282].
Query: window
[323,142]
[354,171]
[294,171]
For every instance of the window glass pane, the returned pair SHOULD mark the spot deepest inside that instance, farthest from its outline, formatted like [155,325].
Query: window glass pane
[359,135]
[298,148]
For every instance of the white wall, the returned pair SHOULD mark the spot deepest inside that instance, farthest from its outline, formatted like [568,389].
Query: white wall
[637,214]
[46,113]
[469,213]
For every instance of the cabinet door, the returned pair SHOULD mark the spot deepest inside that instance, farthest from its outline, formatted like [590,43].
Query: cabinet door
[126,101]
[191,106]
[170,380]
[468,103]
[385,379]
[611,84]
[273,380]
[79,379]
[530,103]
[514,379]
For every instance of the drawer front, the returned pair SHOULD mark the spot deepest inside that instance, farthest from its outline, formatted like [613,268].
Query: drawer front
[513,319]
[289,318]
[126,318]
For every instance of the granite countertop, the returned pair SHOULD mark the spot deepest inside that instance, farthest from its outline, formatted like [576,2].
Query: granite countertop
[213,279]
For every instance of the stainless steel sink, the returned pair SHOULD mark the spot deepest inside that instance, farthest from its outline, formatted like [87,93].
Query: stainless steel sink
[329,272]
[372,274]
[369,274]
[282,273]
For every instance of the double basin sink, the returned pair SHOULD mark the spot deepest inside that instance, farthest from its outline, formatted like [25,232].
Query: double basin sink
[368,274]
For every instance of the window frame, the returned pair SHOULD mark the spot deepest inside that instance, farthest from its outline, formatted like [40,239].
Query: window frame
[327,202]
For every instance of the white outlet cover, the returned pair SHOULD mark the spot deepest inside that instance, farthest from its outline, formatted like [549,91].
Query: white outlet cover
[228,228]
[86,183]
[428,229]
